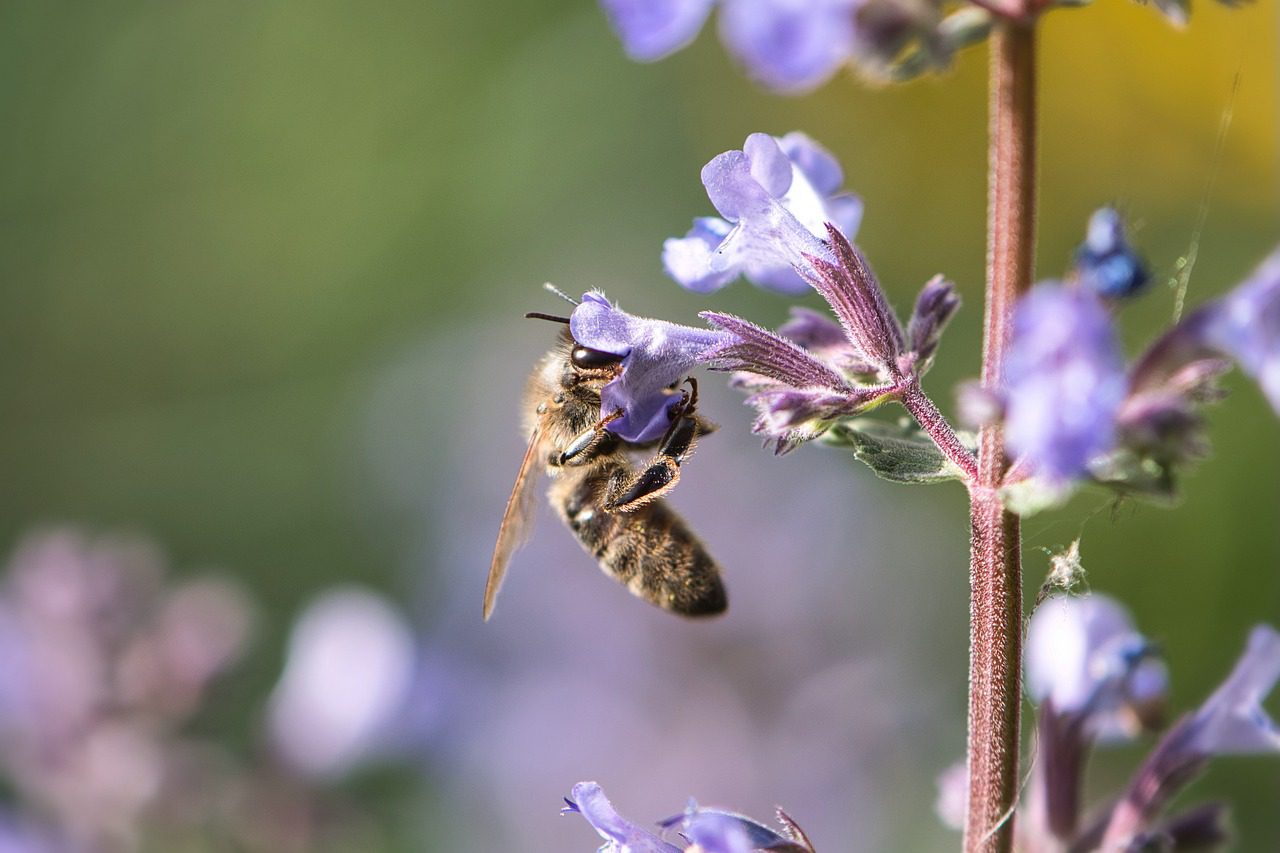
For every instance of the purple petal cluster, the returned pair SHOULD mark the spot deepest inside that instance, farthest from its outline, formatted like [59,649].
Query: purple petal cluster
[816,371]
[655,356]
[788,45]
[1064,381]
[620,834]
[775,196]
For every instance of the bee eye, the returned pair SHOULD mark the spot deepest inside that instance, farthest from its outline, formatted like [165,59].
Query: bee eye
[586,358]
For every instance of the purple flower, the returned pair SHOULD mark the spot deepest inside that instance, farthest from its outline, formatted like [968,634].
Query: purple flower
[652,29]
[1064,378]
[937,303]
[620,834]
[789,45]
[1230,722]
[718,831]
[1245,324]
[1085,658]
[656,355]
[800,392]
[776,196]
[1106,262]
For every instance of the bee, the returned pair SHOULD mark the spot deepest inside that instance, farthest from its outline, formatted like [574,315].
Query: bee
[615,510]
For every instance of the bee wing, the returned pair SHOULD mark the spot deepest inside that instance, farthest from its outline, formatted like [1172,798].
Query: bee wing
[516,521]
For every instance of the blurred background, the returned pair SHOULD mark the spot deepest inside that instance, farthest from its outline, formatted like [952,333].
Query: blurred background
[262,272]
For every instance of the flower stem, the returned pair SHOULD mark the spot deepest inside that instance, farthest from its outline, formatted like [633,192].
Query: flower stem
[936,427]
[995,571]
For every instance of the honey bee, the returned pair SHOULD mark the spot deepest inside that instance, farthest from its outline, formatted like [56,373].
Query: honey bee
[616,511]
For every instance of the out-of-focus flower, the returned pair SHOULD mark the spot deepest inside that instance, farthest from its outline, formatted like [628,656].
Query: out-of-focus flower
[776,196]
[1085,658]
[1245,325]
[652,29]
[1106,262]
[718,831]
[1064,381]
[1230,722]
[655,355]
[620,834]
[349,669]
[788,45]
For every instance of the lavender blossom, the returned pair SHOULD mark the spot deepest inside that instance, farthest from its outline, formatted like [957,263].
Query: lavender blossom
[1106,262]
[620,834]
[937,303]
[717,831]
[655,355]
[1064,378]
[776,196]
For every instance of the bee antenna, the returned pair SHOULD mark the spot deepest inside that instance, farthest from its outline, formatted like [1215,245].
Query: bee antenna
[558,292]
[538,315]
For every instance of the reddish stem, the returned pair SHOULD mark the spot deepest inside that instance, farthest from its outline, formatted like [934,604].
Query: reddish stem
[937,428]
[995,572]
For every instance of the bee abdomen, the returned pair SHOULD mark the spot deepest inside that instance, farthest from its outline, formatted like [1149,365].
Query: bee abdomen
[651,551]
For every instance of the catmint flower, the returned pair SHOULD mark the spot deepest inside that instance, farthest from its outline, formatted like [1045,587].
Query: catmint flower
[620,834]
[718,831]
[787,45]
[656,355]
[1230,722]
[1085,658]
[937,303]
[776,196]
[799,393]
[1064,380]
[653,29]
[1245,324]
[1106,262]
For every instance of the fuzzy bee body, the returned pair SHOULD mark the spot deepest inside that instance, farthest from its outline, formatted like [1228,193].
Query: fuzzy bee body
[616,512]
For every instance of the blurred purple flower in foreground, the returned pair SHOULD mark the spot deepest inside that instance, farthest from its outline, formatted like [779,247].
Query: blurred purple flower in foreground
[656,355]
[788,45]
[350,666]
[1064,381]
[776,196]
[1245,324]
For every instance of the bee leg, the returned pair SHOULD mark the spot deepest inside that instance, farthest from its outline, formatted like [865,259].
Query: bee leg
[589,442]
[663,472]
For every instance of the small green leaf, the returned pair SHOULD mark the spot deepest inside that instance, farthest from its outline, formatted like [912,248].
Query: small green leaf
[896,451]
[1123,473]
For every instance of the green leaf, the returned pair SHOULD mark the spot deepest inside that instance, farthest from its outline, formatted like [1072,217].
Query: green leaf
[1123,473]
[900,451]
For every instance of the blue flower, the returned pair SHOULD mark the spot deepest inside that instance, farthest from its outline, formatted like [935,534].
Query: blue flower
[1064,381]
[776,196]
[656,355]
[620,834]
[1106,262]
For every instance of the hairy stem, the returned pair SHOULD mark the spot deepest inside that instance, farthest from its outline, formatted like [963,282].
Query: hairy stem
[936,427]
[995,571]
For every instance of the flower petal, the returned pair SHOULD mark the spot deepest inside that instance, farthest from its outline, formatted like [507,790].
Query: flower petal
[1232,720]
[656,355]
[688,259]
[652,29]
[588,799]
[785,44]
[1064,376]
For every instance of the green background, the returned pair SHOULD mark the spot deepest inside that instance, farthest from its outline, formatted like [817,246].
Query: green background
[221,220]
